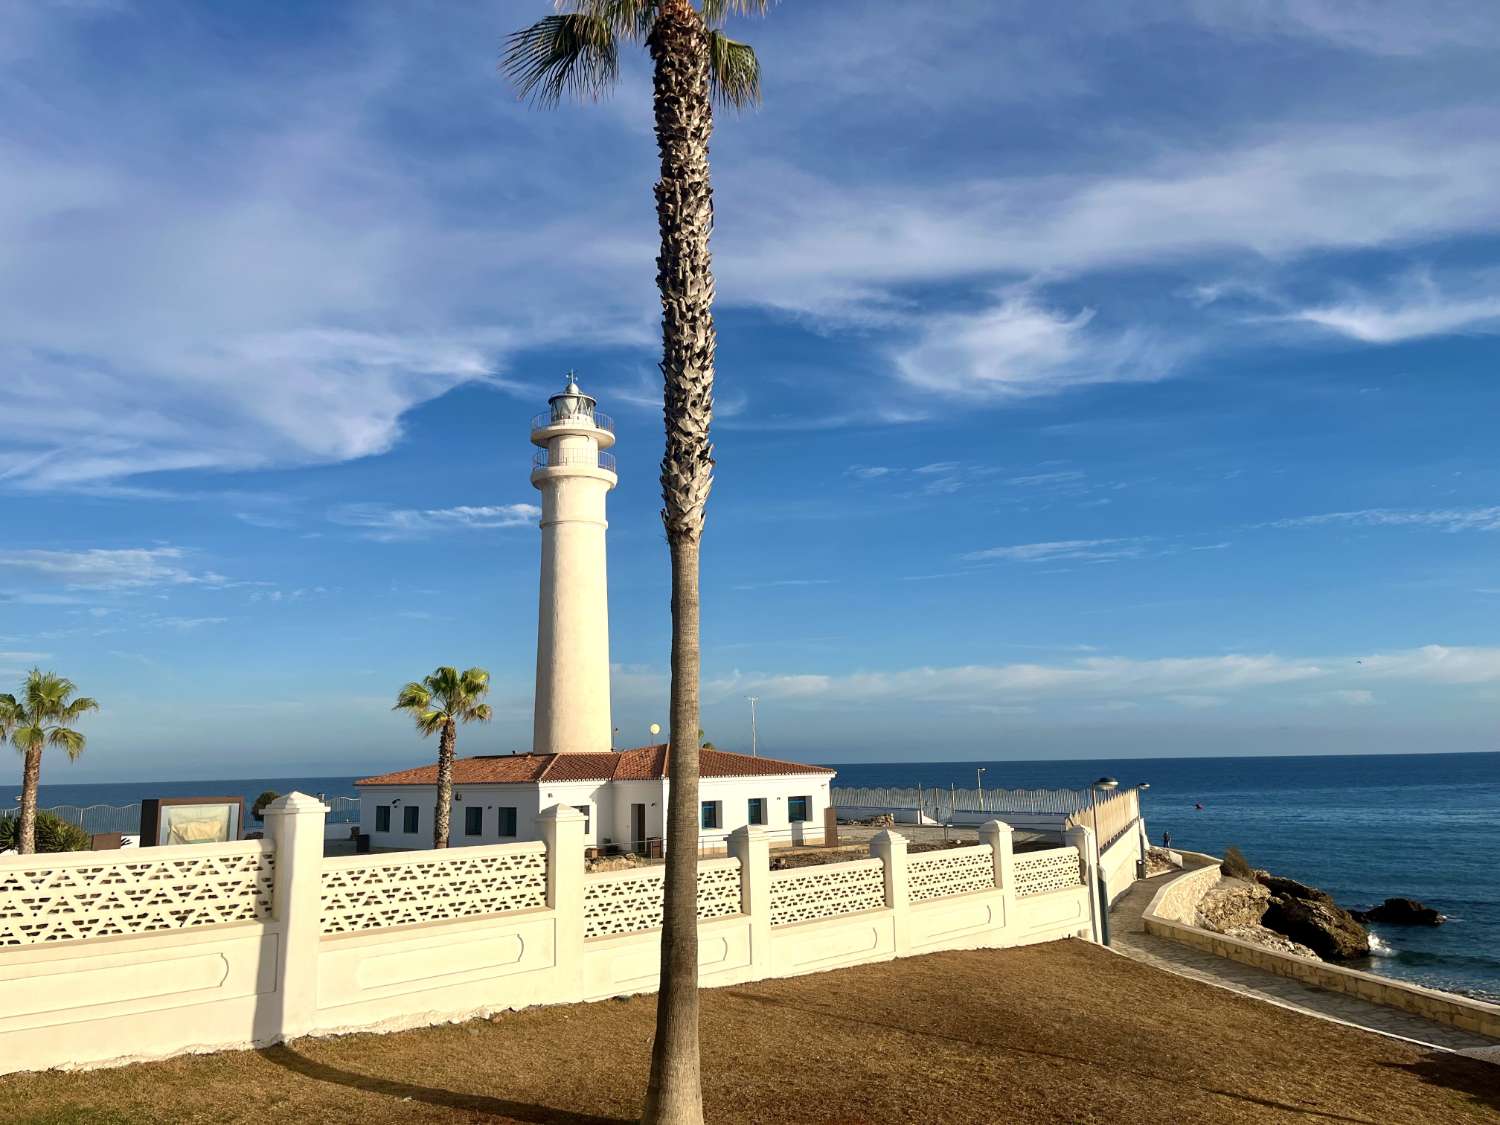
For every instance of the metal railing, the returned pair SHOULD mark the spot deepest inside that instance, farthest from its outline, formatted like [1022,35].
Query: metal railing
[547,459]
[93,818]
[595,418]
[941,803]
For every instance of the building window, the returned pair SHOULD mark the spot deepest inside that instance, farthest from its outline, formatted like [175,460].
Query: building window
[588,816]
[507,821]
[757,810]
[473,822]
[409,819]
[711,817]
[382,818]
[797,809]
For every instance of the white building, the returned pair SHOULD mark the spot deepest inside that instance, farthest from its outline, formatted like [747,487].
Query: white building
[622,792]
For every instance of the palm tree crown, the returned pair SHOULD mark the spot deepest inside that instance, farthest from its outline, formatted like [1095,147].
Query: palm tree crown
[446,696]
[44,714]
[576,52]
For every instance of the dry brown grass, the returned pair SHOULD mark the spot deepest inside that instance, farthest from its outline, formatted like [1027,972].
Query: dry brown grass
[1058,1033]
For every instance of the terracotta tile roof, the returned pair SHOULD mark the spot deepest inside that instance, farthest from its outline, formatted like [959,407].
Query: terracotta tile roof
[646,763]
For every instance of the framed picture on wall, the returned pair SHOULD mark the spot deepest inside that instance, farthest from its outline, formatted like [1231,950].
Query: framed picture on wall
[191,820]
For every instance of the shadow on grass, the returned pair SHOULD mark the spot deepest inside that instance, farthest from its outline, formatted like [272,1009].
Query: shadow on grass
[863,1020]
[1478,1079]
[288,1059]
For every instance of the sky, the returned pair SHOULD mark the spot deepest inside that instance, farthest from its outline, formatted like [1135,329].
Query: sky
[1109,380]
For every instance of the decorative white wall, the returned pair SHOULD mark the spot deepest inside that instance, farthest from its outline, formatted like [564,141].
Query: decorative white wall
[109,958]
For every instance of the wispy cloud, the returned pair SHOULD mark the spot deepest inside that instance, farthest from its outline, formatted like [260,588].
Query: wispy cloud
[1416,307]
[111,568]
[188,624]
[1443,519]
[1089,550]
[785,582]
[869,472]
[387,524]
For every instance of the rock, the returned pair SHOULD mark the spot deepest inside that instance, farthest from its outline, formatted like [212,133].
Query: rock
[1400,912]
[1290,888]
[1232,904]
[1328,929]
[1270,939]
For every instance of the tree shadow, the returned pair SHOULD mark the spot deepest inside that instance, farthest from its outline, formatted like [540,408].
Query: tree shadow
[288,1059]
[1477,1078]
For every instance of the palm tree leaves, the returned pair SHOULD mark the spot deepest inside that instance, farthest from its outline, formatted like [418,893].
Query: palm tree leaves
[576,52]
[573,54]
[733,71]
[447,695]
[45,713]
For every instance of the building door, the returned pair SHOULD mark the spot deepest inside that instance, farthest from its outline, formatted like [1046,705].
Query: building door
[638,828]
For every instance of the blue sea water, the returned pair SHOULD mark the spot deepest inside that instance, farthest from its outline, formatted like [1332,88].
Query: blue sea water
[1366,827]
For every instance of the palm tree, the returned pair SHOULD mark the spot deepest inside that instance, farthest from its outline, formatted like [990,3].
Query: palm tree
[42,717]
[576,52]
[438,704]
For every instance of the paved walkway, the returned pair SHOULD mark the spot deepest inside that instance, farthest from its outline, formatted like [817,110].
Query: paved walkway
[1129,937]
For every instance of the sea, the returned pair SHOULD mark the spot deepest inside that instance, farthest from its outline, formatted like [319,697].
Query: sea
[1361,827]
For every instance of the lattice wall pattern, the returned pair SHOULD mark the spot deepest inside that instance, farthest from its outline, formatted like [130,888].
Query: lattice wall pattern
[68,902]
[826,891]
[955,871]
[632,902]
[459,883]
[1040,872]
[626,903]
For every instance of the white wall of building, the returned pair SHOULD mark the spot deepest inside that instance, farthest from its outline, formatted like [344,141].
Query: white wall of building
[609,809]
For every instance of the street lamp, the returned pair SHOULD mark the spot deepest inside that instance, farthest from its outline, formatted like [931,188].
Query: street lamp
[979,773]
[754,733]
[1108,784]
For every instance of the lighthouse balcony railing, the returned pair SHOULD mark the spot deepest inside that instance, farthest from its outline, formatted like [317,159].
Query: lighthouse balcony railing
[553,459]
[595,418]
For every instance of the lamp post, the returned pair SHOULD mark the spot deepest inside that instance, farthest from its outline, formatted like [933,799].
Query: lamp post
[979,781]
[1107,784]
[754,733]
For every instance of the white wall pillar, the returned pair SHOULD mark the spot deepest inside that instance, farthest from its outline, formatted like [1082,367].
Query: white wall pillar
[890,848]
[295,824]
[752,847]
[1081,839]
[562,831]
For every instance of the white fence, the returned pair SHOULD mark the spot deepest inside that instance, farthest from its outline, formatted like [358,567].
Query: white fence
[111,957]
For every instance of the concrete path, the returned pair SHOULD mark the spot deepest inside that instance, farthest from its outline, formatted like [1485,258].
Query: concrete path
[1129,937]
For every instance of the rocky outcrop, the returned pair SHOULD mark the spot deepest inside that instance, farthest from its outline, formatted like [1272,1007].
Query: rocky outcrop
[1401,912]
[1327,928]
[1235,907]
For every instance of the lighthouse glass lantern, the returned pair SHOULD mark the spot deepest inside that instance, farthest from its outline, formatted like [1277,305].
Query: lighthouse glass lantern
[572,406]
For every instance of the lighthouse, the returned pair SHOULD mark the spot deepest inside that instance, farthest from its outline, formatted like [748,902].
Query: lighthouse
[574,473]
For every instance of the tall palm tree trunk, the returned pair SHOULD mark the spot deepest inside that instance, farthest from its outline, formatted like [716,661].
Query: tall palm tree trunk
[444,785]
[31,776]
[684,209]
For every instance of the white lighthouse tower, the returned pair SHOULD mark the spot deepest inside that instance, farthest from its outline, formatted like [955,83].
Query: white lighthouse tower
[573,473]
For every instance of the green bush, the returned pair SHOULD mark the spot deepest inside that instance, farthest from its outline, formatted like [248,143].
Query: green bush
[258,810]
[1235,865]
[53,833]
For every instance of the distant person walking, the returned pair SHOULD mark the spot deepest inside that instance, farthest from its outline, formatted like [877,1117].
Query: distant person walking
[1166,839]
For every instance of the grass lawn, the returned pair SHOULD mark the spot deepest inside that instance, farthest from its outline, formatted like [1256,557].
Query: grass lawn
[1063,1033]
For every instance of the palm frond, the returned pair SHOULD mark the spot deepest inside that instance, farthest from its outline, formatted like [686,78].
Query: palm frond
[80,706]
[480,713]
[630,19]
[28,736]
[413,697]
[430,722]
[574,53]
[733,71]
[70,740]
[715,12]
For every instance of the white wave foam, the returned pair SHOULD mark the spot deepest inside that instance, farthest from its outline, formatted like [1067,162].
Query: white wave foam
[1379,948]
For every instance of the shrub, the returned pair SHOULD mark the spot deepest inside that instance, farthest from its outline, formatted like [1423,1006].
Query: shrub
[53,833]
[1235,864]
[258,810]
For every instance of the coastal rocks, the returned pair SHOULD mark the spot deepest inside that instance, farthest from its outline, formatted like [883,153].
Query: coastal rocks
[1234,908]
[1233,904]
[1401,912]
[1328,929]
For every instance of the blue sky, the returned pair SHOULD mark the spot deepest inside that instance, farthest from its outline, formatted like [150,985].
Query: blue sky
[1120,382]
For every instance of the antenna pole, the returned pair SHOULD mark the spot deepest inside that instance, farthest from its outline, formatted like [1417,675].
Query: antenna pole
[754,733]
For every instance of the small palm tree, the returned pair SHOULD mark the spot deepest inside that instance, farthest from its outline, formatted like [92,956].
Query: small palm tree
[438,704]
[43,716]
[576,53]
